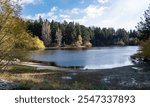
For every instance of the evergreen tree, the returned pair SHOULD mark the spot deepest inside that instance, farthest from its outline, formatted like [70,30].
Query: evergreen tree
[122,36]
[144,29]
[62,34]
[144,25]
[85,33]
[70,33]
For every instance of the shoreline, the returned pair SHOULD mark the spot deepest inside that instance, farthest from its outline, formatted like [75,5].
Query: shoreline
[127,77]
[45,65]
[83,47]
[54,64]
[133,77]
[69,48]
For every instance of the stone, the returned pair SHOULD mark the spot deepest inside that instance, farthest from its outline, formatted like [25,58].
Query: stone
[7,85]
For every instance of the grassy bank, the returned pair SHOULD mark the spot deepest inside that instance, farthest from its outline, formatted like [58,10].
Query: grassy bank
[30,78]
[128,77]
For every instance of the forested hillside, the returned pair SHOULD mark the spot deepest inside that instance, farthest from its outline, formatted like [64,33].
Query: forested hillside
[56,34]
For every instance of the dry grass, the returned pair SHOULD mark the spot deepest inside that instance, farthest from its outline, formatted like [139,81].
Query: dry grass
[31,79]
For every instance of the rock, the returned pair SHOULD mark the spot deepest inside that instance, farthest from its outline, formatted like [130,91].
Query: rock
[12,62]
[7,85]
[16,60]
[66,77]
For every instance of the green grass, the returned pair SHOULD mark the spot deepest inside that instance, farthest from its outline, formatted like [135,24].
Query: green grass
[22,68]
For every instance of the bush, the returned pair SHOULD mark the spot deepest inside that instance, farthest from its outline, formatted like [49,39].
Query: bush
[29,42]
[145,49]
[36,43]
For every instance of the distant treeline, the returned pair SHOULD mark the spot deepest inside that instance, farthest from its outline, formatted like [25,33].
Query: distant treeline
[56,34]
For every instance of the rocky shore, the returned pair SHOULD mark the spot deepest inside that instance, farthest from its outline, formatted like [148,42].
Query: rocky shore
[129,77]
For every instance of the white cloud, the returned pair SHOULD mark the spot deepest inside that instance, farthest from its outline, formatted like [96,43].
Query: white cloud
[75,14]
[102,1]
[94,11]
[51,15]
[75,11]
[25,2]
[64,16]
[121,14]
[125,13]
[53,9]
[118,14]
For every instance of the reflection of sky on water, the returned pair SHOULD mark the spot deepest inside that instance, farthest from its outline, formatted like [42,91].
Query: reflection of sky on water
[95,58]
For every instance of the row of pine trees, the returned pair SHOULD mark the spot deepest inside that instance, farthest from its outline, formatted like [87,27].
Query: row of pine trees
[55,34]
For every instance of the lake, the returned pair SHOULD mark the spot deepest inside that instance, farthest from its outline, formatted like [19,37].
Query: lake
[93,58]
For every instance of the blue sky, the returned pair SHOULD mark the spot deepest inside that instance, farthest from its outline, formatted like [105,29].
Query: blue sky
[102,13]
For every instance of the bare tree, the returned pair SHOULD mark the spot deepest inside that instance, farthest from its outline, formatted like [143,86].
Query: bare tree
[46,33]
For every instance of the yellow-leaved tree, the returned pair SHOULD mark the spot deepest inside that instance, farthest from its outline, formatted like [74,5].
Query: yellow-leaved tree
[14,36]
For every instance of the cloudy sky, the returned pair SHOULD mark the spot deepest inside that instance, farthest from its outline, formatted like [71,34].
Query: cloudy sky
[102,13]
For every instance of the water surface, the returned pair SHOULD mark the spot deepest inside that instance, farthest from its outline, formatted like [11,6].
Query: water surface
[94,58]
